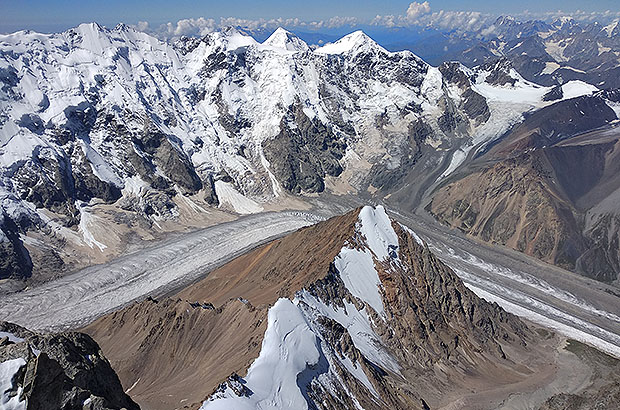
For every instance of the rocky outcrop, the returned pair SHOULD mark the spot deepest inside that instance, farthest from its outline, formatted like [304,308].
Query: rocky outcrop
[425,330]
[15,261]
[499,72]
[304,152]
[60,371]
[472,103]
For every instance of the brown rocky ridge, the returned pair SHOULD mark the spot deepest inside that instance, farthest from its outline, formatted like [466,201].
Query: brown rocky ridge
[429,343]
[547,189]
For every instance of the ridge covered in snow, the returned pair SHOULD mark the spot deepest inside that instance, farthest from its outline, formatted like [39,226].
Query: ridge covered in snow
[351,43]
[329,344]
[96,115]
[294,341]
[286,40]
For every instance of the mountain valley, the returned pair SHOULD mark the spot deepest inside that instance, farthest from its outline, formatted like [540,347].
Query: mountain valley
[216,222]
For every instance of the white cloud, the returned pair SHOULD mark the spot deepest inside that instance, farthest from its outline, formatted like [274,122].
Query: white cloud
[416,10]
[142,26]
[387,21]
[417,14]
[184,27]
[202,26]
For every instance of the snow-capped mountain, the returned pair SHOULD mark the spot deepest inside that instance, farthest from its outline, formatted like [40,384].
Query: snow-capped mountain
[354,312]
[101,128]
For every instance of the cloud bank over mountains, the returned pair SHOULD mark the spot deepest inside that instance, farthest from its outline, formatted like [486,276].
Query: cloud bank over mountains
[418,14]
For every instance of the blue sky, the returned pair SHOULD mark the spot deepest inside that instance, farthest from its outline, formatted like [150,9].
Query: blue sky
[54,15]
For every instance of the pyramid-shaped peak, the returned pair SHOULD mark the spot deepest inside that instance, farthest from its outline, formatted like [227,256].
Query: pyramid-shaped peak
[353,43]
[92,27]
[284,39]
[233,38]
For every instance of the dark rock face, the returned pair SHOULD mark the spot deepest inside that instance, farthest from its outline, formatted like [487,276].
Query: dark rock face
[14,258]
[452,73]
[63,371]
[210,194]
[47,182]
[475,106]
[556,93]
[449,121]
[304,152]
[88,186]
[434,318]
[158,148]
[601,260]
[499,73]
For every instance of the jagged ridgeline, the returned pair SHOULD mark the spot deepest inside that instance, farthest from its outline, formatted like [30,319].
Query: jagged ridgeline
[352,312]
[108,129]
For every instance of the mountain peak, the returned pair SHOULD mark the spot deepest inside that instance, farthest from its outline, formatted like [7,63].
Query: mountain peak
[235,38]
[284,39]
[504,20]
[564,22]
[92,27]
[358,295]
[351,44]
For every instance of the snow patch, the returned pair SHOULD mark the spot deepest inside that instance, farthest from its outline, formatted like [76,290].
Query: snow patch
[577,88]
[99,166]
[87,222]
[357,323]
[229,196]
[11,336]
[289,346]
[357,271]
[457,159]
[8,369]
[376,226]
[614,106]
